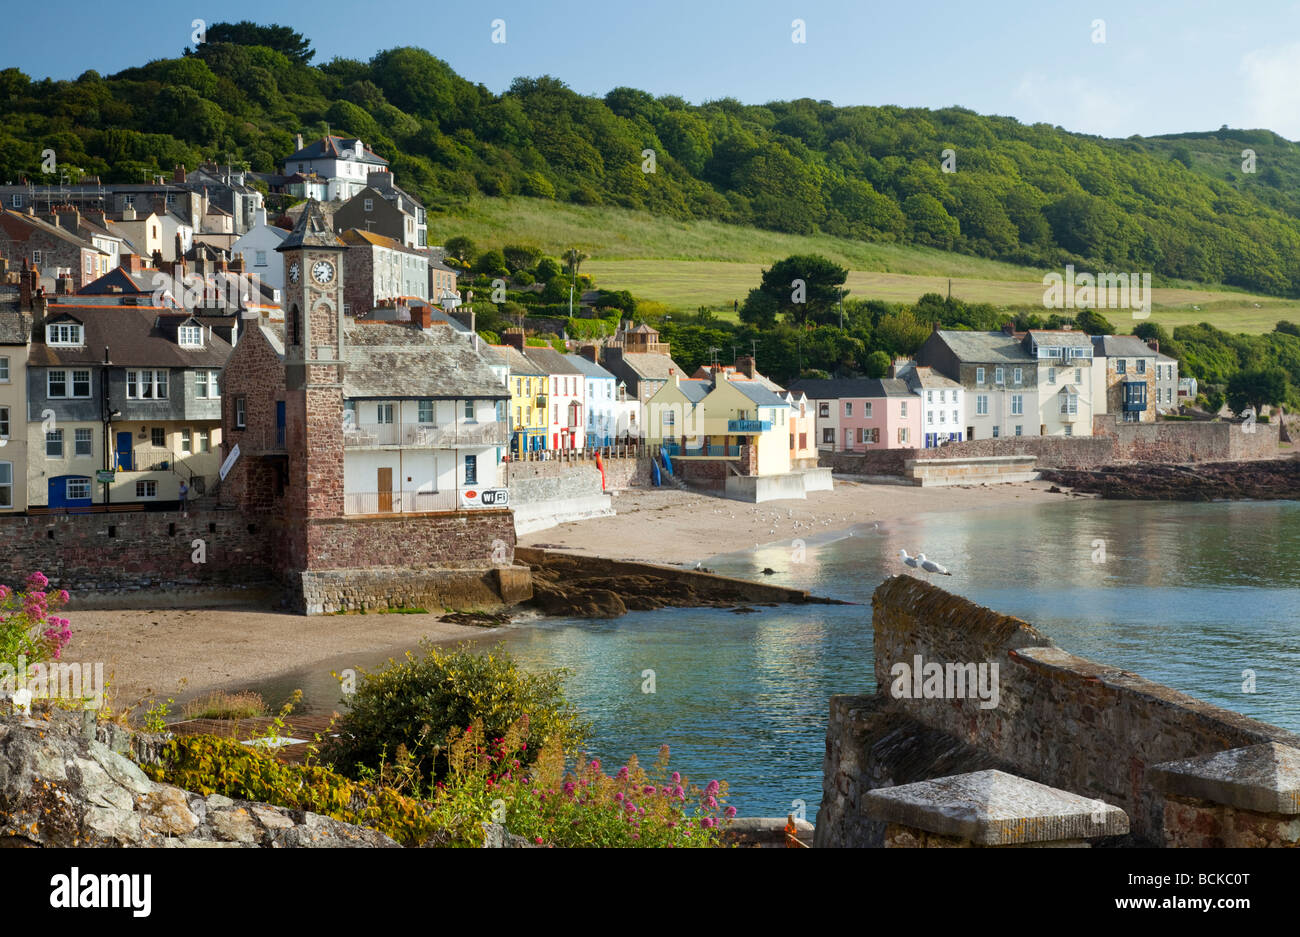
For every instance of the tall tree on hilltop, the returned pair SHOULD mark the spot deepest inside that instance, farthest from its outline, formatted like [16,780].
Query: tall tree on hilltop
[292,45]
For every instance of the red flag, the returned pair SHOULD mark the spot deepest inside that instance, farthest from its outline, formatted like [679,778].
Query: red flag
[600,464]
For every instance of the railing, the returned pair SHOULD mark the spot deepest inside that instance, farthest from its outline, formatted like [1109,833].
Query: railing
[425,435]
[701,451]
[399,502]
[252,441]
[749,426]
[625,451]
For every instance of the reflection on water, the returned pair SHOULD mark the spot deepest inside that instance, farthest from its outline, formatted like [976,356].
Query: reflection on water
[1189,595]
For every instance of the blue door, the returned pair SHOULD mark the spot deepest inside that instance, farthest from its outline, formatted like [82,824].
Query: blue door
[69,491]
[279,424]
[124,461]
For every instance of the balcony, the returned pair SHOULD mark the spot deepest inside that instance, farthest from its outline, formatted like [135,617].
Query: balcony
[1135,396]
[677,451]
[749,426]
[398,502]
[425,435]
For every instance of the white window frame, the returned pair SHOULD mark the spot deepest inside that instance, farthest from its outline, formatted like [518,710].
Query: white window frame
[203,440]
[82,483]
[187,441]
[848,408]
[1018,375]
[981,404]
[999,376]
[65,333]
[137,380]
[55,437]
[190,336]
[80,436]
[6,484]
[4,369]
[979,376]
[4,422]
[146,488]
[1017,404]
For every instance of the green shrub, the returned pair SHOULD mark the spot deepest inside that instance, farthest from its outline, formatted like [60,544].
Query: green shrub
[522,278]
[414,704]
[547,268]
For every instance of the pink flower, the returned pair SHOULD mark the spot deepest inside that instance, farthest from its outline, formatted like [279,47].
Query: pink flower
[5,592]
[36,581]
[595,764]
[622,773]
[618,796]
[648,789]
[712,788]
[731,813]
[677,777]
[63,596]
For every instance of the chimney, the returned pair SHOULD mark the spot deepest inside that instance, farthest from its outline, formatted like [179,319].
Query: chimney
[178,174]
[297,142]
[39,305]
[1154,345]
[128,213]
[63,285]
[28,285]
[589,352]
[422,316]
[131,263]
[514,338]
[1067,327]
[745,365]
[1008,328]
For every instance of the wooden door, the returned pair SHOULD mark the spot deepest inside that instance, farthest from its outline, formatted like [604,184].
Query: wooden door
[385,489]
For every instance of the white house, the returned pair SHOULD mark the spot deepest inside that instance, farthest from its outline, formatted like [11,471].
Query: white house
[258,248]
[942,402]
[346,164]
[600,400]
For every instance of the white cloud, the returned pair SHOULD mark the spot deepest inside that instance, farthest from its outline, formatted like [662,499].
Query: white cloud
[1272,89]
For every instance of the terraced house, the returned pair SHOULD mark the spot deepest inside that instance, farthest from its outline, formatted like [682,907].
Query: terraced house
[1126,378]
[124,403]
[15,335]
[998,376]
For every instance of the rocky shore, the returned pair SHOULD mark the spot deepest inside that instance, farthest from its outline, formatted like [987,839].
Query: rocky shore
[596,587]
[1272,479]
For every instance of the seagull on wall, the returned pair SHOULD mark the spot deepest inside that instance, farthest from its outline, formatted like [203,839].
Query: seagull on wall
[911,561]
[930,566]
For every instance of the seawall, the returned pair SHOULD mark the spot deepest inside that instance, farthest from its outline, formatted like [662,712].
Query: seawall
[1060,720]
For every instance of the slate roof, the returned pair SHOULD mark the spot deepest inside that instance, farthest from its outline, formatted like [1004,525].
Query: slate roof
[589,367]
[311,230]
[694,390]
[761,395]
[519,365]
[832,389]
[134,335]
[978,347]
[20,227]
[1121,346]
[15,328]
[929,378]
[1053,337]
[388,359]
[549,359]
[128,282]
[333,147]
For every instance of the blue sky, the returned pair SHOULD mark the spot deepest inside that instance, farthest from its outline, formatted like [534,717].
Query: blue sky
[1164,66]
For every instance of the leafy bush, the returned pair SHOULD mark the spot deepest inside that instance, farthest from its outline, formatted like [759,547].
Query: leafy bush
[414,704]
[547,269]
[522,278]
[28,627]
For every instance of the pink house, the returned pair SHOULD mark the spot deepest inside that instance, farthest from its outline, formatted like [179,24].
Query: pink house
[855,415]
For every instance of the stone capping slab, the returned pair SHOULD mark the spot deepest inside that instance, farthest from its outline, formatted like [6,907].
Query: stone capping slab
[974,460]
[993,808]
[1264,778]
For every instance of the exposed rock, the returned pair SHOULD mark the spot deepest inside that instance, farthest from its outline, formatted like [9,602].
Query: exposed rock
[58,788]
[1263,479]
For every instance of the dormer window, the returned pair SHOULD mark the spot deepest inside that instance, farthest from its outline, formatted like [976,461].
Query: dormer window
[190,336]
[370,204]
[63,334]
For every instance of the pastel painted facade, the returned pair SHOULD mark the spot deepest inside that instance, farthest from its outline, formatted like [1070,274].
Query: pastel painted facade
[1126,378]
[15,336]
[1066,393]
[942,402]
[528,384]
[257,247]
[864,414]
[728,418]
[599,400]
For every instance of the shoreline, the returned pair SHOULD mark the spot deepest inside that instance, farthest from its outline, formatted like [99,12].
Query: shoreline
[187,652]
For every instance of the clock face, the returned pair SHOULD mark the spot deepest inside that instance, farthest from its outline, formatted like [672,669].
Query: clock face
[322,271]
[293,272]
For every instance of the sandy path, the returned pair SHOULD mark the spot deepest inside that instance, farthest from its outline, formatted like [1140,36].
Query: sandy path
[178,652]
[667,525]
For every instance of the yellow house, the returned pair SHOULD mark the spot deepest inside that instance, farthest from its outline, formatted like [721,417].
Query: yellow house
[729,418]
[528,400]
[15,334]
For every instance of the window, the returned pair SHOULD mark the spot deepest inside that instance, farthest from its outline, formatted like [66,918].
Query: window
[555,415]
[425,414]
[1016,375]
[54,444]
[954,417]
[204,444]
[981,404]
[241,413]
[929,396]
[4,422]
[158,437]
[995,432]
[1051,375]
[81,384]
[56,384]
[384,413]
[4,369]
[1119,365]
[469,410]
[6,484]
[1017,404]
[902,434]
[929,416]
[848,408]
[999,376]
[1078,375]
[205,385]
[187,442]
[15,201]
[1069,429]
[1141,366]
[259,258]
[828,436]
[979,375]
[190,336]
[63,334]
[36,257]
[146,385]
[471,470]
[146,489]
[82,442]
[1070,403]
[902,408]
[942,416]
[128,201]
[78,489]
[1019,429]
[370,204]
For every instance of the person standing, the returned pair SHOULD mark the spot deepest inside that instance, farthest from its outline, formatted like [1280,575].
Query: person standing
[185,493]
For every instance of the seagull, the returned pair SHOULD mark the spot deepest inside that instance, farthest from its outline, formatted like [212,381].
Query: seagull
[909,560]
[930,566]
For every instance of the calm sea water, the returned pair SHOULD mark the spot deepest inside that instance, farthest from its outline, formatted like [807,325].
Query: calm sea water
[1188,595]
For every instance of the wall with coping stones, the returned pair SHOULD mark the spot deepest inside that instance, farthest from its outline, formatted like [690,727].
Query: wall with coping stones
[619,472]
[1111,442]
[1061,720]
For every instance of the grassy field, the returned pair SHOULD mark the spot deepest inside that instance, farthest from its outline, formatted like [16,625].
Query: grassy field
[688,264]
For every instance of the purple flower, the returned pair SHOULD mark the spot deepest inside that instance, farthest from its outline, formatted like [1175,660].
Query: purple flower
[618,796]
[711,803]
[36,581]
[731,813]
[63,596]
[649,789]
[679,792]
[622,773]
[677,777]
[595,764]
[712,788]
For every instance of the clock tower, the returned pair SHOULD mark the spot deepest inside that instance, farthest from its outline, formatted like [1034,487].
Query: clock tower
[313,365]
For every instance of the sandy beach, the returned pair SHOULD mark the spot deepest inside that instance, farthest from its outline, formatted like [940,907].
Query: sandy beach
[182,651]
[667,525]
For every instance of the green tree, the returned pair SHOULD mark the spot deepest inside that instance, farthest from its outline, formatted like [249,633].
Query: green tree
[491,263]
[877,364]
[282,39]
[1093,322]
[548,268]
[806,288]
[462,249]
[1257,387]
[521,256]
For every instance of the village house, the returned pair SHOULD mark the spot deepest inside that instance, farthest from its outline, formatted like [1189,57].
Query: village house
[257,248]
[1066,396]
[803,439]
[868,413]
[998,375]
[529,400]
[383,208]
[15,337]
[53,248]
[442,281]
[941,400]
[380,268]
[567,421]
[345,164]
[599,399]
[1167,381]
[1125,383]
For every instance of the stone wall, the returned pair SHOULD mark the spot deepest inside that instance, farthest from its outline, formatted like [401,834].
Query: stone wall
[354,590]
[1060,720]
[124,552]
[620,473]
[413,541]
[1111,441]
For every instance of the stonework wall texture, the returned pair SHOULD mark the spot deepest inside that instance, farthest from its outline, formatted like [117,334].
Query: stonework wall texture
[619,472]
[1059,719]
[464,540]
